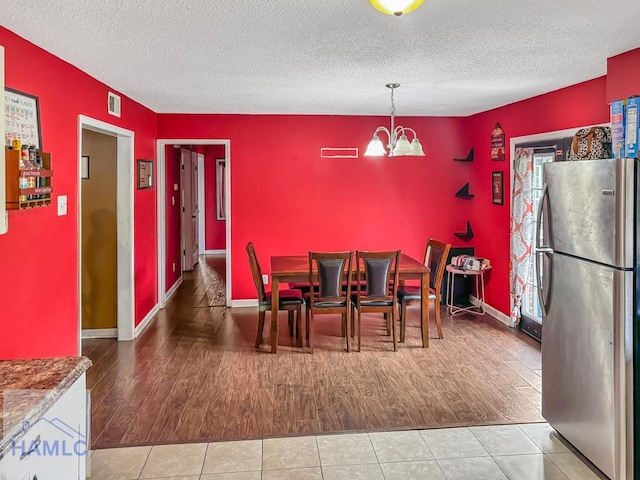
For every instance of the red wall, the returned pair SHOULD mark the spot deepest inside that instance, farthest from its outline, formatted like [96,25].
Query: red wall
[578,105]
[172,212]
[39,255]
[215,235]
[287,200]
[623,75]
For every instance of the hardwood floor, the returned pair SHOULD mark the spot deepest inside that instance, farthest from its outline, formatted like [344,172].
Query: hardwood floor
[193,375]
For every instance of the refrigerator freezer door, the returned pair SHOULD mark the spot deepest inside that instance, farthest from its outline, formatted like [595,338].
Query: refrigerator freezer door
[587,360]
[591,209]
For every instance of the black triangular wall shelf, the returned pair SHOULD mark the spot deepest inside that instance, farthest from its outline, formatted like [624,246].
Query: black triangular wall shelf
[464,192]
[468,159]
[468,235]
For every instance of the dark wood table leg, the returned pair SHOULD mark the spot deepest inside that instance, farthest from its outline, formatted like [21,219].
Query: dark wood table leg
[275,299]
[424,309]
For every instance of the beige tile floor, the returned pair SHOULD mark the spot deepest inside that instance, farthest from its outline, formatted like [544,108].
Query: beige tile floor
[514,452]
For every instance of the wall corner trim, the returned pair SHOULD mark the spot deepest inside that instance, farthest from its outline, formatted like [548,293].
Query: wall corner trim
[173,289]
[244,303]
[494,312]
[146,321]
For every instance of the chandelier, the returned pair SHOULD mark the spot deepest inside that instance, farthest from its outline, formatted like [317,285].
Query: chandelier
[398,141]
[396,7]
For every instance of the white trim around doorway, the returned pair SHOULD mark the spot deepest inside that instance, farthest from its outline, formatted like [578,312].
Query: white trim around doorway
[201,205]
[124,223]
[538,137]
[161,192]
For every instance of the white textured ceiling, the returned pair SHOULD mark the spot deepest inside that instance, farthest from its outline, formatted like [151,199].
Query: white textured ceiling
[452,57]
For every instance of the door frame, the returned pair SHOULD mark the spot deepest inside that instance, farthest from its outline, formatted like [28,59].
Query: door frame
[161,210]
[124,223]
[538,137]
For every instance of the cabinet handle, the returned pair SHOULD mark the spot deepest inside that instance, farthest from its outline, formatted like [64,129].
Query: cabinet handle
[34,447]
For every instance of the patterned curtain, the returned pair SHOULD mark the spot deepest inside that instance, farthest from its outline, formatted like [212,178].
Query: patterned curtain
[521,227]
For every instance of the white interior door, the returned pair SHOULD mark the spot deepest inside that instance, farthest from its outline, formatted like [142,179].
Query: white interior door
[194,250]
[186,206]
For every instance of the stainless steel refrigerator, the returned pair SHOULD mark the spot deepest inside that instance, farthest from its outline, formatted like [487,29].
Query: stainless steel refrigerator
[587,259]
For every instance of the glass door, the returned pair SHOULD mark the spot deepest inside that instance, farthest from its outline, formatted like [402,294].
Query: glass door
[530,301]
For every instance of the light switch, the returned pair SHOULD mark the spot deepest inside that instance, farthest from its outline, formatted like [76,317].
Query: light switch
[62,205]
[175,187]
[173,200]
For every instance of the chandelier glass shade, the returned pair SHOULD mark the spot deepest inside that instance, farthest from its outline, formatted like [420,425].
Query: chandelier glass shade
[396,7]
[398,142]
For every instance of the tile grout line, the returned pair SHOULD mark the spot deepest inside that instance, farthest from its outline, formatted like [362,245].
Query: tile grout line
[145,462]
[206,451]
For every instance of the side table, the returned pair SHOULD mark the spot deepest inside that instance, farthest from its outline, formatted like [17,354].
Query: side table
[478,276]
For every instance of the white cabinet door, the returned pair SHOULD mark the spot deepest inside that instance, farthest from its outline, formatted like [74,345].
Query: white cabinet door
[56,446]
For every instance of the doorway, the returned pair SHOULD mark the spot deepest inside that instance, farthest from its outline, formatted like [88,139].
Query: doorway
[203,187]
[109,229]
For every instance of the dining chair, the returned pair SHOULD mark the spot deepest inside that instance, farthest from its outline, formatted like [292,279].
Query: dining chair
[330,271]
[289,300]
[377,280]
[436,259]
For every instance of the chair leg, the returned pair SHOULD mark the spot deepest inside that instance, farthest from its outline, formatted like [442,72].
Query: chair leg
[359,330]
[344,325]
[310,332]
[345,322]
[436,305]
[393,329]
[298,327]
[353,321]
[403,321]
[261,315]
[388,322]
[290,319]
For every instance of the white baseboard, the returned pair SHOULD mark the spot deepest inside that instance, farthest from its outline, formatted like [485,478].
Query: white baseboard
[146,321]
[100,333]
[173,289]
[244,303]
[494,312]
[215,252]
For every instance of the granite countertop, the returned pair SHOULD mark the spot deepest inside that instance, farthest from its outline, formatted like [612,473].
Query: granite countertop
[28,388]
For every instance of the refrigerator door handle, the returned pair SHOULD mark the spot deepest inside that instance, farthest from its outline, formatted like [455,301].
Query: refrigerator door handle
[541,250]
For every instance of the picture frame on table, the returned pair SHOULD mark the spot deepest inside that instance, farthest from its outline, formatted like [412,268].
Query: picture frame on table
[497,187]
[145,174]
[22,118]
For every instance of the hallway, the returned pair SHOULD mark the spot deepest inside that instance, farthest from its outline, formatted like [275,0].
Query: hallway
[193,375]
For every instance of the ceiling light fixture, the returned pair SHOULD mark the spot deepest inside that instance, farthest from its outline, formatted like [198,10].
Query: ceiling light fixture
[398,141]
[396,7]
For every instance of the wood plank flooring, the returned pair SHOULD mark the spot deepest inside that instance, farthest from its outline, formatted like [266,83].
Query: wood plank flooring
[193,375]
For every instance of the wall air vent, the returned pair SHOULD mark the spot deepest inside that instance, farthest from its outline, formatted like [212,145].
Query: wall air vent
[113,104]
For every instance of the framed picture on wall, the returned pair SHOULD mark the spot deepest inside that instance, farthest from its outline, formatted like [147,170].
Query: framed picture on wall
[221,213]
[145,174]
[22,118]
[497,188]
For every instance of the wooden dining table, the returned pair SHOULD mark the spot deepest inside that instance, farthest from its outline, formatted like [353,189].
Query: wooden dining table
[295,268]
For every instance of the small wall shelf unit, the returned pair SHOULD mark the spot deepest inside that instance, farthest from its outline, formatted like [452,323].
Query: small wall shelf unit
[27,188]
[465,236]
[469,157]
[464,192]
